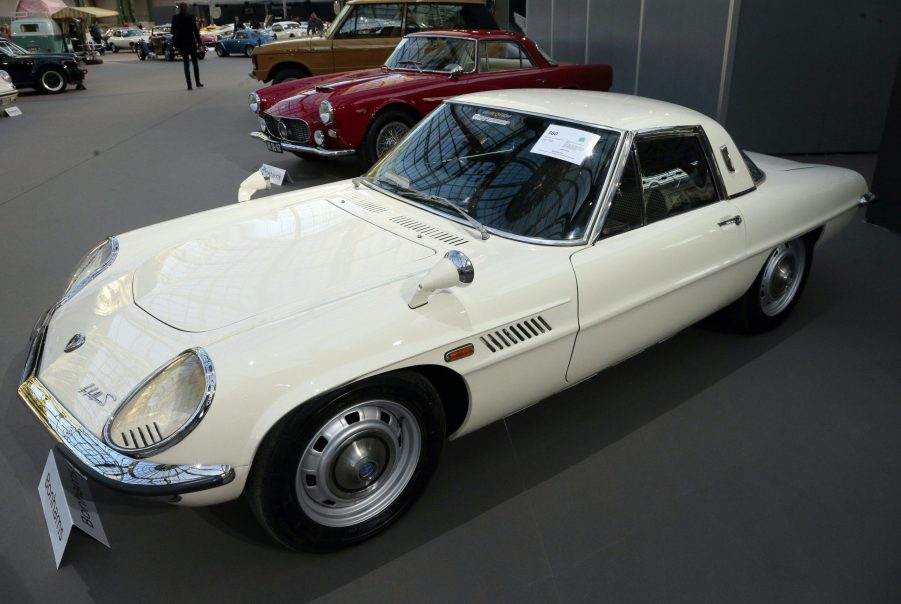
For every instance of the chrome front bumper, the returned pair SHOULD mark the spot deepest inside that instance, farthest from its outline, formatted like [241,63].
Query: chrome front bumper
[301,148]
[8,98]
[93,456]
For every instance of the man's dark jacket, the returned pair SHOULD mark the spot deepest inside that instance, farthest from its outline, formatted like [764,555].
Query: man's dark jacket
[185,33]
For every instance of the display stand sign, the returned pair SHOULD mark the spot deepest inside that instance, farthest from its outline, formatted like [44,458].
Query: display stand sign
[66,499]
[276,175]
[12,111]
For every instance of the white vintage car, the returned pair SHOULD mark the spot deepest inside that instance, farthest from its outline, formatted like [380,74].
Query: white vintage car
[126,39]
[314,349]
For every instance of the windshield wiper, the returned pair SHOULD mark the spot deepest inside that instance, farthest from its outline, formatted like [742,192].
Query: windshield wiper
[415,64]
[462,158]
[429,198]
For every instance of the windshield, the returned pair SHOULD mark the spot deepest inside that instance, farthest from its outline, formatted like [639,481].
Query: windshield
[12,50]
[433,53]
[517,173]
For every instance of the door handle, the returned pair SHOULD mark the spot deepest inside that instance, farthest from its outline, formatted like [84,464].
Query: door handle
[734,219]
[540,81]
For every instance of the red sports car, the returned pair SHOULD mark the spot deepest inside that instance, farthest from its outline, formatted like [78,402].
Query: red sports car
[370,110]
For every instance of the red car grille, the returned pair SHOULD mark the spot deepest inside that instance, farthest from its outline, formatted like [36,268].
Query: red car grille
[297,131]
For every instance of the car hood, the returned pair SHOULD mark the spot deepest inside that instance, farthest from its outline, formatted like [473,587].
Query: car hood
[295,257]
[365,85]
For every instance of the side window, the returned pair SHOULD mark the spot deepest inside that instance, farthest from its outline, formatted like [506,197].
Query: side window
[373,21]
[626,209]
[422,17]
[675,176]
[502,55]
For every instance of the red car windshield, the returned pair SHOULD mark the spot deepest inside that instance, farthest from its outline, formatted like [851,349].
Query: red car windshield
[434,53]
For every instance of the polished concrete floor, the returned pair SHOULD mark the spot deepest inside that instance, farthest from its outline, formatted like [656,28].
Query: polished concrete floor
[715,467]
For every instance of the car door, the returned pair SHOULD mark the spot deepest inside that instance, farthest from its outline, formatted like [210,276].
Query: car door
[666,255]
[367,36]
[507,64]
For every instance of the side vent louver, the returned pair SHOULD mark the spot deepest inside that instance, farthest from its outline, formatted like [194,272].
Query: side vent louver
[515,333]
[139,437]
[428,231]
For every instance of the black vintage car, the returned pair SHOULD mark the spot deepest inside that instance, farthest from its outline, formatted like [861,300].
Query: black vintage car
[160,45]
[44,71]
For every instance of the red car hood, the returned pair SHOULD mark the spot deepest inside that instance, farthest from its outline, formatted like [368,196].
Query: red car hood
[289,98]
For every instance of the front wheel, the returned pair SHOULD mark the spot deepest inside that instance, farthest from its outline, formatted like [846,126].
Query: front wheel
[220,51]
[248,50]
[115,48]
[777,287]
[288,74]
[52,80]
[384,133]
[336,472]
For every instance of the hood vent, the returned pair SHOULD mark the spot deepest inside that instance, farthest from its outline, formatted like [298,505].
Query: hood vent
[367,205]
[515,333]
[429,231]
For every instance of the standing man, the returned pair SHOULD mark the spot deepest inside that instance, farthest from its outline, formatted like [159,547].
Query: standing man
[186,38]
[315,25]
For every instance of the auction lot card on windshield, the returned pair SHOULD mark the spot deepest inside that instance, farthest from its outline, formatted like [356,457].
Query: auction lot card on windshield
[569,144]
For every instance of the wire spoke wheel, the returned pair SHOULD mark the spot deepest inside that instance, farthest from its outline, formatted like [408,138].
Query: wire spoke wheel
[388,137]
[781,278]
[358,463]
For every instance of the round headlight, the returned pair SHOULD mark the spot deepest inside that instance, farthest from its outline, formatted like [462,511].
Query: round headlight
[96,261]
[319,137]
[164,408]
[5,77]
[326,112]
[262,124]
[282,129]
[253,99]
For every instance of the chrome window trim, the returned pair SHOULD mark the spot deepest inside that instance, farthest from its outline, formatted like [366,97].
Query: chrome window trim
[426,34]
[696,130]
[114,252]
[209,375]
[522,49]
[610,191]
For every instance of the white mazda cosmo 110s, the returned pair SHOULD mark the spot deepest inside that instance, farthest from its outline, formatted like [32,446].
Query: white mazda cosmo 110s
[314,349]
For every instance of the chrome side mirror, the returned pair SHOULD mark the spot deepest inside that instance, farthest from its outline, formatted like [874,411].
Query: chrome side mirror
[258,181]
[455,71]
[454,270]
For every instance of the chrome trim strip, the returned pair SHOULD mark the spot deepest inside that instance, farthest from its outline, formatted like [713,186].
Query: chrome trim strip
[110,467]
[209,391]
[616,176]
[114,251]
[302,148]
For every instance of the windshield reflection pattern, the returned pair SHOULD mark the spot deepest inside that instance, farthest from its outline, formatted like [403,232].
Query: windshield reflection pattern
[487,163]
[434,53]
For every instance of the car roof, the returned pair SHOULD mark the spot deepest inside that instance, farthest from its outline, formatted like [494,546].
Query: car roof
[468,33]
[620,111]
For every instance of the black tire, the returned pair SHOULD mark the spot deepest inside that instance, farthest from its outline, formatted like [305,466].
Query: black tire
[141,54]
[115,48]
[777,288]
[290,73]
[201,54]
[170,54]
[52,80]
[386,130]
[248,50]
[316,493]
[220,51]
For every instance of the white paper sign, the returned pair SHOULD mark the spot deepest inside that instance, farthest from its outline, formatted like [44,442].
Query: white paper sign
[66,500]
[568,144]
[13,111]
[276,175]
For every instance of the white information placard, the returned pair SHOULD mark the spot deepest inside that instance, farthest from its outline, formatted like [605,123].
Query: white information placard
[569,144]
[276,175]
[12,111]
[66,500]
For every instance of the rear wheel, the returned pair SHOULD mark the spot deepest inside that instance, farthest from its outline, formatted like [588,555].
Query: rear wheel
[52,80]
[777,287]
[336,472]
[290,73]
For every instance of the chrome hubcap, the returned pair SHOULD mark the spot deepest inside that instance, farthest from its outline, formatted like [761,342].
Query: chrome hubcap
[358,463]
[782,277]
[389,136]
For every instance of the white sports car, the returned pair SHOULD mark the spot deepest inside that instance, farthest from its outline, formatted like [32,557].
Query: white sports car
[126,39]
[314,349]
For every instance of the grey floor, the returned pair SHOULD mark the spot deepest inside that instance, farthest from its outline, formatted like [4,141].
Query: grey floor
[715,467]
